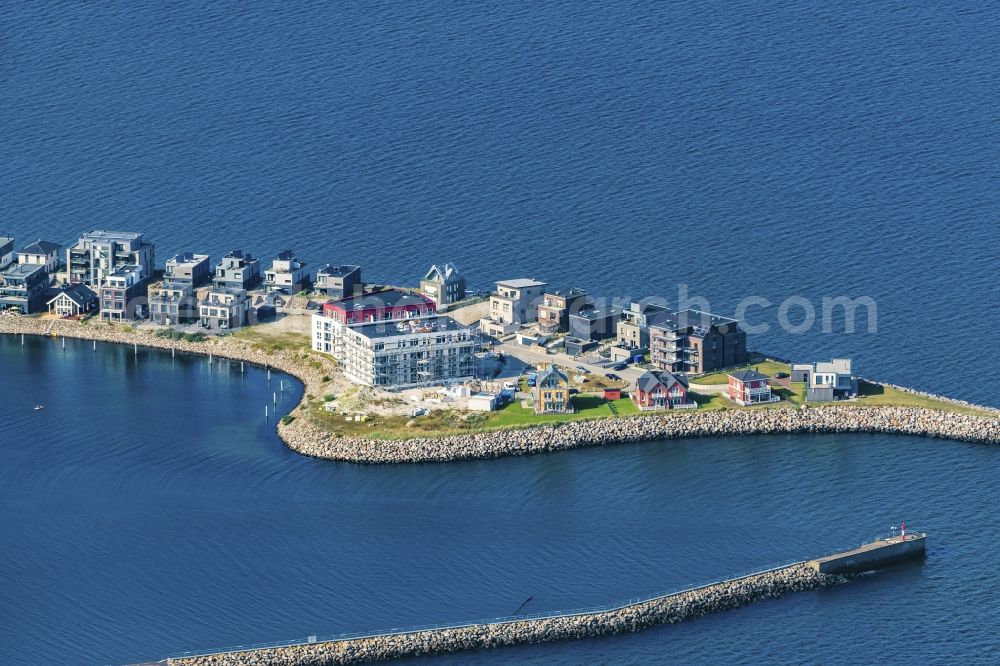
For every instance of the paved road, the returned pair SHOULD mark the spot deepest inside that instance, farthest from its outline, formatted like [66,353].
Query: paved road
[536,355]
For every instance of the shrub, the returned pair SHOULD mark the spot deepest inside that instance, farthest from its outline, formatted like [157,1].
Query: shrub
[329,397]
[326,378]
[287,418]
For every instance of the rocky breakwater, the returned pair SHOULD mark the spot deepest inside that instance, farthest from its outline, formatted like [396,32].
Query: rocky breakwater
[310,439]
[667,609]
[307,368]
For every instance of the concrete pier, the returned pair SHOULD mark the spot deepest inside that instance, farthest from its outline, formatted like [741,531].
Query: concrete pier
[873,555]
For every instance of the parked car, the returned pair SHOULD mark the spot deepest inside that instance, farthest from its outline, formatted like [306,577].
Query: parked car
[619,366]
[509,386]
[574,391]
[612,376]
[781,375]
[582,370]
[419,411]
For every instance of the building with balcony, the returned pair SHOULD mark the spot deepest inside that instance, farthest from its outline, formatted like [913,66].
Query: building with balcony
[557,305]
[188,268]
[172,303]
[42,253]
[339,281]
[237,270]
[23,287]
[513,304]
[400,354]
[98,254]
[224,309]
[659,389]
[550,394]
[123,294]
[286,273]
[73,300]
[444,284]
[390,305]
[6,251]
[633,328]
[831,381]
[695,342]
[749,387]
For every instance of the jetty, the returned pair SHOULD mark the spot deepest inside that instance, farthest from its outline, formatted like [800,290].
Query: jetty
[634,615]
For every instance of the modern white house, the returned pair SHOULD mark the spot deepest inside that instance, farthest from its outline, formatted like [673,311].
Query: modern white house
[42,253]
[832,381]
[287,273]
[513,304]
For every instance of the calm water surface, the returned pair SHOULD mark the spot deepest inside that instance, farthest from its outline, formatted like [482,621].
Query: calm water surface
[770,149]
[148,509]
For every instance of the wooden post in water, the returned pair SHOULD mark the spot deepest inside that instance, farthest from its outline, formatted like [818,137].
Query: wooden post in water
[22,339]
[241,367]
[64,343]
[265,413]
[95,345]
[135,349]
[274,398]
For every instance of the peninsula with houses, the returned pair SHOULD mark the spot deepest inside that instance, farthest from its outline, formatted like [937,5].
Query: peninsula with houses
[438,371]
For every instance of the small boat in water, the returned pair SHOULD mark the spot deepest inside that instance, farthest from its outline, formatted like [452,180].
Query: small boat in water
[37,407]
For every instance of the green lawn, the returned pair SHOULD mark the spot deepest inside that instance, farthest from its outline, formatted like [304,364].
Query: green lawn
[767,367]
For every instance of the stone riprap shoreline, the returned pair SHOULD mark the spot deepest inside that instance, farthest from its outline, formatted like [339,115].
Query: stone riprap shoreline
[307,438]
[668,609]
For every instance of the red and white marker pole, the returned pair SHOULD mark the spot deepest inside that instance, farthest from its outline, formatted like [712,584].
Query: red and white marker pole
[902,535]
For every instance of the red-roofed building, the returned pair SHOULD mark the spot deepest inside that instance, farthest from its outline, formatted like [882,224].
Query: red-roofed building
[380,306]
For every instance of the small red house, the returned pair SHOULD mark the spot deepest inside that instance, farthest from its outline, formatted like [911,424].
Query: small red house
[659,389]
[612,394]
[380,306]
[749,387]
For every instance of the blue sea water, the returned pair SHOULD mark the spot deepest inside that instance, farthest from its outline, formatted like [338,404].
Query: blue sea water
[758,149]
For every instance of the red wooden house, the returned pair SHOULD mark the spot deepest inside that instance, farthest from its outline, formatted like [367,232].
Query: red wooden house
[659,389]
[749,387]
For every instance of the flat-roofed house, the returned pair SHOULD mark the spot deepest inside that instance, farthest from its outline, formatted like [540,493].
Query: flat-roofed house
[237,270]
[557,305]
[23,287]
[340,281]
[832,381]
[513,304]
[594,324]
[286,273]
[123,294]
[224,308]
